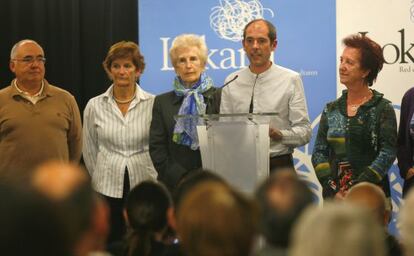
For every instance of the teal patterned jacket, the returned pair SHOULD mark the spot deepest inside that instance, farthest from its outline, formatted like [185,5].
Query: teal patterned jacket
[367,141]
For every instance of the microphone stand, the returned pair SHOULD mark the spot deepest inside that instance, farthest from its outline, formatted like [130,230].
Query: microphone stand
[251,100]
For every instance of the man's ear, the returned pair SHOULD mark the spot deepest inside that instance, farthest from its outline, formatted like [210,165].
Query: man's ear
[274,44]
[172,221]
[387,217]
[125,215]
[12,66]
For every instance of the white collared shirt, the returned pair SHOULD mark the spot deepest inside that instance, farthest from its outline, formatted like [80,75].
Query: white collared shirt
[113,142]
[279,90]
[32,98]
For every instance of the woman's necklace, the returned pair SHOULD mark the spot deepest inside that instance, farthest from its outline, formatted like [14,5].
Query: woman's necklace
[354,107]
[124,101]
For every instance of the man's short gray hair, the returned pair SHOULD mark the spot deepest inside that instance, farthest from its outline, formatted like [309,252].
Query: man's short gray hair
[18,44]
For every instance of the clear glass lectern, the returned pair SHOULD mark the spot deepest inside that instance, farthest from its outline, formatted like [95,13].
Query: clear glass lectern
[235,146]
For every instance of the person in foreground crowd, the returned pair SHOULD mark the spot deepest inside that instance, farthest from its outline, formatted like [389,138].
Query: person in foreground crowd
[29,224]
[213,219]
[38,121]
[406,224]
[146,217]
[337,229]
[281,198]
[187,184]
[357,133]
[372,198]
[191,181]
[405,152]
[264,87]
[116,132]
[174,147]
[84,215]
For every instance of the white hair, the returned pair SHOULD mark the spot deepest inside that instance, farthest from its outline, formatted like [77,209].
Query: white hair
[18,44]
[189,40]
[338,229]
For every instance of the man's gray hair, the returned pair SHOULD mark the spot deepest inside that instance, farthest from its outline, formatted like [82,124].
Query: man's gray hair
[18,44]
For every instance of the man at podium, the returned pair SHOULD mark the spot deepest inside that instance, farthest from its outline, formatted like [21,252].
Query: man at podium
[264,87]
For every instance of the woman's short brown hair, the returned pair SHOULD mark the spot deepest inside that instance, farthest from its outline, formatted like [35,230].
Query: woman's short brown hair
[124,49]
[372,58]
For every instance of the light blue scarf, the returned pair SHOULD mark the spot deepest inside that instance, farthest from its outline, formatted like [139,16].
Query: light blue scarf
[185,131]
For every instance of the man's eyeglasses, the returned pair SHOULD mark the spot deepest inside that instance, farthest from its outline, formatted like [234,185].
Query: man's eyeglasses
[30,60]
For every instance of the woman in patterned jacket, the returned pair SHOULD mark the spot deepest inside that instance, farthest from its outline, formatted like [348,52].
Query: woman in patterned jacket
[357,133]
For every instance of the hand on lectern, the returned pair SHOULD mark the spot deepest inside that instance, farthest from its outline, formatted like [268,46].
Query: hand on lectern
[275,134]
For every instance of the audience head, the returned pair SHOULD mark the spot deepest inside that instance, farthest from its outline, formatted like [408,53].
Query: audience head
[186,184]
[192,180]
[282,198]
[406,223]
[372,198]
[371,56]
[213,219]
[146,215]
[85,215]
[337,229]
[124,50]
[29,224]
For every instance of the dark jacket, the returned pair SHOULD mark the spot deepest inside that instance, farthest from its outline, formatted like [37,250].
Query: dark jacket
[367,141]
[405,142]
[172,161]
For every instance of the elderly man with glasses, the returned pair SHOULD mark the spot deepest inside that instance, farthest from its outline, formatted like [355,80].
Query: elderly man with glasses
[38,121]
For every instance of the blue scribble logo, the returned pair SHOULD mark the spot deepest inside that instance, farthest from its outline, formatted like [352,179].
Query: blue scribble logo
[229,18]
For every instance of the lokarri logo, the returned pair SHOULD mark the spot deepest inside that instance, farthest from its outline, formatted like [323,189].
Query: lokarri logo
[400,51]
[229,18]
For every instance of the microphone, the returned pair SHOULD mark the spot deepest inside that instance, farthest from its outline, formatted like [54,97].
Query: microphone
[221,90]
[234,78]
[251,100]
[214,101]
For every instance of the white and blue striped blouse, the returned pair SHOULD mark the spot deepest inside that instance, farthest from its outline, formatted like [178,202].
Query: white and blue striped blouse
[113,142]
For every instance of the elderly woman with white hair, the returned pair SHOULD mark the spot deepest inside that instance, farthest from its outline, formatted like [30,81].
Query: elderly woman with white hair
[173,144]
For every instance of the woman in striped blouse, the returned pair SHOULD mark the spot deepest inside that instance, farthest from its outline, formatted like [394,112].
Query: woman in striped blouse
[116,132]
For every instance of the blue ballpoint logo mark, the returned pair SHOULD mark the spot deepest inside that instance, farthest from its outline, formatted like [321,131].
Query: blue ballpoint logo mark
[229,18]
